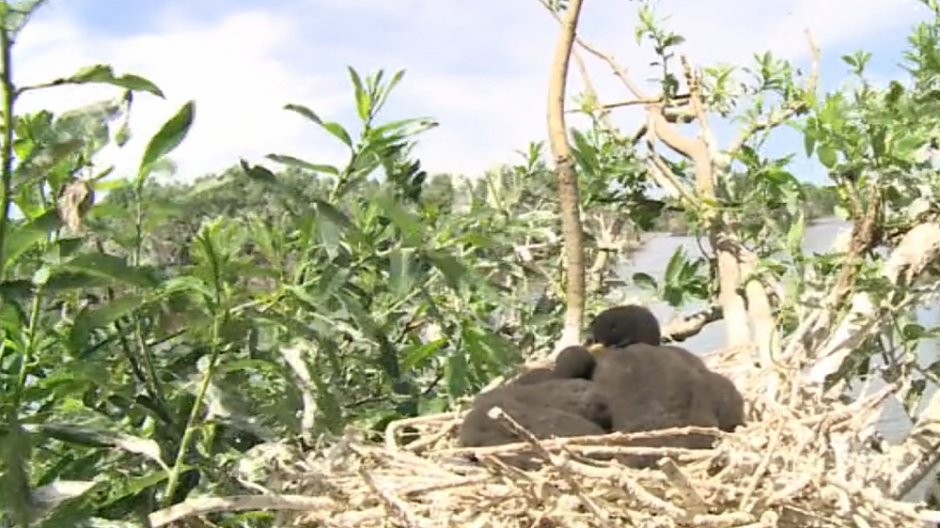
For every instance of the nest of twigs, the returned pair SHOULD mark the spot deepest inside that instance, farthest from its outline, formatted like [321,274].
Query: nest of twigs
[798,462]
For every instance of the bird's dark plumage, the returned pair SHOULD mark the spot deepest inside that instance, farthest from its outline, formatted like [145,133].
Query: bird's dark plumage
[622,326]
[574,362]
[648,386]
[547,402]
[551,408]
[728,400]
[648,389]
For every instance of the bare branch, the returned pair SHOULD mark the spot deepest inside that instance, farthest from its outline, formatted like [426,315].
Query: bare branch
[644,102]
[682,328]
[914,256]
[697,107]
[668,181]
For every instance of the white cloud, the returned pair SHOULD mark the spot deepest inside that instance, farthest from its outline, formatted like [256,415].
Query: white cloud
[479,67]
[231,68]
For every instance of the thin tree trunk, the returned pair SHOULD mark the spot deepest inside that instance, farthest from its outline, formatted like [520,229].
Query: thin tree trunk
[568,194]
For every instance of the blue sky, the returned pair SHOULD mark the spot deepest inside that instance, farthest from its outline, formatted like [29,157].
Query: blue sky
[479,68]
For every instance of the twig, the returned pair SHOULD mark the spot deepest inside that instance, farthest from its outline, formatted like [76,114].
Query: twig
[399,508]
[761,469]
[695,503]
[559,464]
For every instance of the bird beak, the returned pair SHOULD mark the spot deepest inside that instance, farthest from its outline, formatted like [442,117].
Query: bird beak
[595,348]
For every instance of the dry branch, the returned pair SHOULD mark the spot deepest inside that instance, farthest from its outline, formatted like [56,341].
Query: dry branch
[682,328]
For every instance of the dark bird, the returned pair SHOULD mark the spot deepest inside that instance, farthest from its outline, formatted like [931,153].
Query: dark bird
[574,362]
[622,326]
[729,402]
[555,402]
[647,389]
[649,386]
[625,325]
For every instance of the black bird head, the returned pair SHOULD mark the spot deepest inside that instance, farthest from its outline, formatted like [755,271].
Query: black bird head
[622,326]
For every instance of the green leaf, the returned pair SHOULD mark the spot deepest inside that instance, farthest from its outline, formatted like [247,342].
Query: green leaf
[416,355]
[259,173]
[335,129]
[644,280]
[13,318]
[913,331]
[112,267]
[455,372]
[586,154]
[330,235]
[328,405]
[28,235]
[301,164]
[70,280]
[89,319]
[104,74]
[827,155]
[72,503]
[479,357]
[87,436]
[401,270]
[403,219]
[396,78]
[795,235]
[905,147]
[395,130]
[363,101]
[44,159]
[452,269]
[335,216]
[168,137]
[15,495]
[674,265]
[130,486]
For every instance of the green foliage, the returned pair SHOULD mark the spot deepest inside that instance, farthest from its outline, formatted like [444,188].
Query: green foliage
[168,301]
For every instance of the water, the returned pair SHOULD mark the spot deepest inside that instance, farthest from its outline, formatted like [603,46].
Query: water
[653,257]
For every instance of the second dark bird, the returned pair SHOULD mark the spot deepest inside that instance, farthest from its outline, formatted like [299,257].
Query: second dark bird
[556,402]
[649,386]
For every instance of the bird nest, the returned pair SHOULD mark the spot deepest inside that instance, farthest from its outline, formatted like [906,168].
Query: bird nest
[798,462]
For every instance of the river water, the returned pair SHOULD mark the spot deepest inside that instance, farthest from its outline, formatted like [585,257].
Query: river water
[655,254]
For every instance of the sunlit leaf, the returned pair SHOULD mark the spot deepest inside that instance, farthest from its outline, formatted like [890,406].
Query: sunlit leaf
[170,136]
[335,129]
[104,74]
[291,161]
[25,236]
[87,436]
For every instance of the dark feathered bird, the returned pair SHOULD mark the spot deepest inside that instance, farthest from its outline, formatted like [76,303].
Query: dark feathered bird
[574,362]
[622,326]
[550,408]
[728,400]
[648,386]
[647,390]
[625,325]
[556,402]
[543,421]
